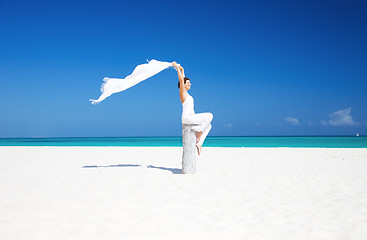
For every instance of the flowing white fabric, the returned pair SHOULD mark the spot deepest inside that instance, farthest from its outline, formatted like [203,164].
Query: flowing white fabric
[140,73]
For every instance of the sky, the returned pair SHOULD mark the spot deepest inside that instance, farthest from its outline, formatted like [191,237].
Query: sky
[263,68]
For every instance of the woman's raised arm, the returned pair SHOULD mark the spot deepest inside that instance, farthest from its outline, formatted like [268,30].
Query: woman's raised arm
[180,75]
[182,71]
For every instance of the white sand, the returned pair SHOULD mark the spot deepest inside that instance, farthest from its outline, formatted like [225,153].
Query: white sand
[136,193]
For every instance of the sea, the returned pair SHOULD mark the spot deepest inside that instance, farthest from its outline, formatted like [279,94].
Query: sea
[283,141]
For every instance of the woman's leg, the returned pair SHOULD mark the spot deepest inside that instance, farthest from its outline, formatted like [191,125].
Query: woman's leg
[202,138]
[203,121]
[205,133]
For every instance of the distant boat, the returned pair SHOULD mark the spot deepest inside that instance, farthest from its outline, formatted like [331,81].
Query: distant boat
[357,135]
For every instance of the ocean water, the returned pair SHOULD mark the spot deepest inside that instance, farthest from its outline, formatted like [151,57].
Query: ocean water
[310,142]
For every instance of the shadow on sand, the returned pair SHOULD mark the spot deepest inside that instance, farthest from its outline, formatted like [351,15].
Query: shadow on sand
[173,170]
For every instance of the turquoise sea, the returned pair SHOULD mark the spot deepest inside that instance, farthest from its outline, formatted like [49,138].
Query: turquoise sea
[311,142]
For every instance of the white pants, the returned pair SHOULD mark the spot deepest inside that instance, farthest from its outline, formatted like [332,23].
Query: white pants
[203,120]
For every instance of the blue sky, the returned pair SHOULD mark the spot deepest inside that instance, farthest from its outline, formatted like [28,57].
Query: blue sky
[261,67]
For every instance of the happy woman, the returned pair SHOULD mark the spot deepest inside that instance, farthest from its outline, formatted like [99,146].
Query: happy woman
[201,120]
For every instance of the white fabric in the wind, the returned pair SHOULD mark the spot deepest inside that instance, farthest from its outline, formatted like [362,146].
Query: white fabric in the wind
[140,73]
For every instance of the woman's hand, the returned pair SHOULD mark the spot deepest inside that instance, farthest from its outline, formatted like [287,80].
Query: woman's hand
[181,68]
[174,64]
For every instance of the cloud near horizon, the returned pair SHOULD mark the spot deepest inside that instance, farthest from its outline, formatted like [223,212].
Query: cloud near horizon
[228,125]
[340,118]
[293,121]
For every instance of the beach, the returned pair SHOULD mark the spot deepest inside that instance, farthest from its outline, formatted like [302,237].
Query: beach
[140,193]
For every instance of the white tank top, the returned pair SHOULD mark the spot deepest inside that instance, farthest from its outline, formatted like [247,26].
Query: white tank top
[187,107]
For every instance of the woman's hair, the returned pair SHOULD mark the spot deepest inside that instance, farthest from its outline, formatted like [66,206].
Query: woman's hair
[185,79]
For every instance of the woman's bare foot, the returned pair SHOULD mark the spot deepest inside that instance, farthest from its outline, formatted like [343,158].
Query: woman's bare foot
[198,147]
[198,136]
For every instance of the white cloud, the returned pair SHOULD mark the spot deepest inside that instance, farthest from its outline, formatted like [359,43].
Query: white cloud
[228,125]
[293,121]
[340,118]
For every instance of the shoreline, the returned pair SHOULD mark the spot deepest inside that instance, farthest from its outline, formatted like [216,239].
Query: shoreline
[204,147]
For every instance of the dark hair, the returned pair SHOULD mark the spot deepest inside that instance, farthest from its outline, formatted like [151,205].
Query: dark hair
[185,79]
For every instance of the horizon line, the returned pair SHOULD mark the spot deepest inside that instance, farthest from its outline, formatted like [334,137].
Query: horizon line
[181,136]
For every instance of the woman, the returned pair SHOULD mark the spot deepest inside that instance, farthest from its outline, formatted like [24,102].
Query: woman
[202,120]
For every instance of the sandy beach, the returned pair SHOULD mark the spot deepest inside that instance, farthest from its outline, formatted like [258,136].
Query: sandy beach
[139,193]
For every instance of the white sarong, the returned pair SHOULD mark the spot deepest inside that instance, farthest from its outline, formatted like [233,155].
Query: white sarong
[140,73]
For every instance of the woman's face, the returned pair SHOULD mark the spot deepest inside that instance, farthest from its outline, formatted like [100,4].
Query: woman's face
[187,85]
